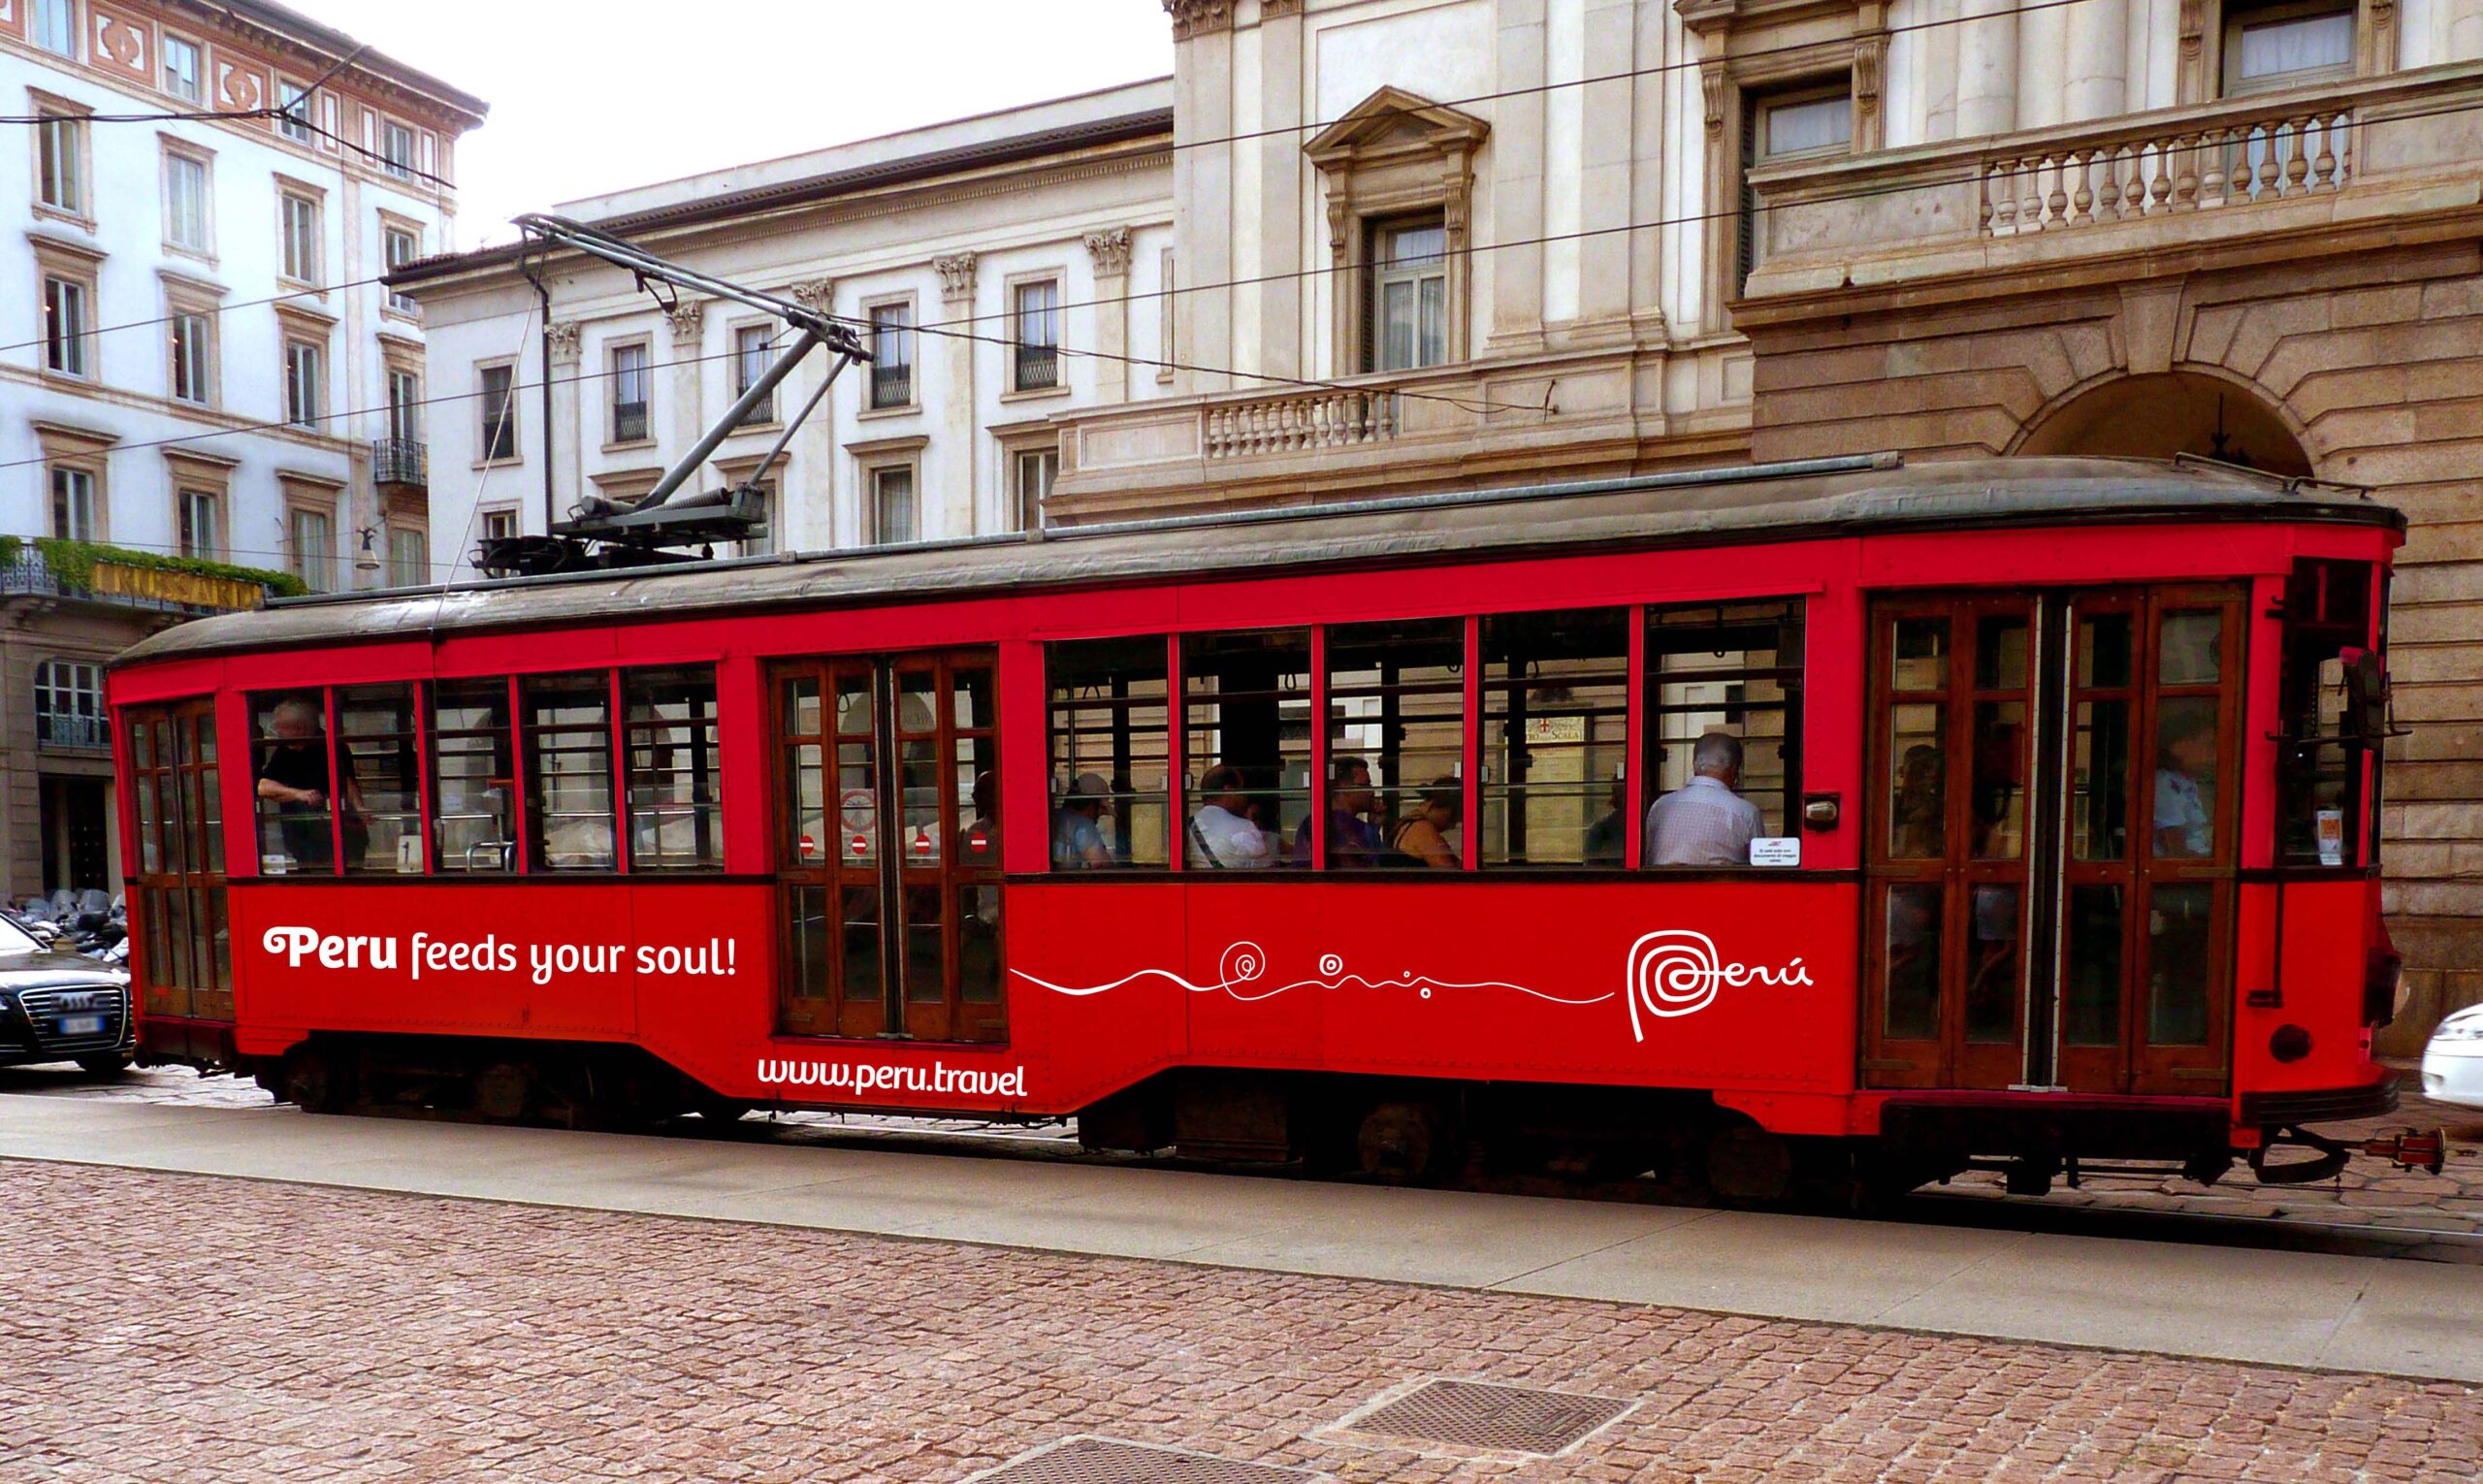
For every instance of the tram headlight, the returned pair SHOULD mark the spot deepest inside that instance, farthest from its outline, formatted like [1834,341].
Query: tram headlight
[2290,1043]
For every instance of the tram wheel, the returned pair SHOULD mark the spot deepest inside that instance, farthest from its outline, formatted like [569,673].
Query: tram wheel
[1403,1144]
[1745,1163]
[503,1089]
[319,1081]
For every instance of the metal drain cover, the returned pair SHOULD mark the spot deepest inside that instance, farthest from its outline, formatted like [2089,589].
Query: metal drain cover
[1496,1419]
[1104,1461]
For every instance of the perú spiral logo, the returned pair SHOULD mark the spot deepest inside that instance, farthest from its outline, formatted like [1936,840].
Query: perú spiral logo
[1674,972]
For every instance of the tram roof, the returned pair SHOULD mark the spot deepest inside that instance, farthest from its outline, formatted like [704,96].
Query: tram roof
[1715,507]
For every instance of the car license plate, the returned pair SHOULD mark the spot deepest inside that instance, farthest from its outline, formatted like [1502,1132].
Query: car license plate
[81,1025]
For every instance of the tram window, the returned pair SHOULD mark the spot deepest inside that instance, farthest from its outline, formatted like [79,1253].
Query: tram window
[1110,754]
[1731,667]
[568,771]
[381,813]
[1246,727]
[474,777]
[2320,768]
[1556,699]
[290,773]
[669,741]
[1396,701]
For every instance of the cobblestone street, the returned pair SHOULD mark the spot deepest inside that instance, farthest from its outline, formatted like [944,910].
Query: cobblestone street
[179,1328]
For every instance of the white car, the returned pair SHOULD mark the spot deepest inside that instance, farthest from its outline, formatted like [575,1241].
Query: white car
[2453,1063]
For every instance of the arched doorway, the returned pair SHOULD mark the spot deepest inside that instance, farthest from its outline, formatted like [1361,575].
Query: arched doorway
[2171,412]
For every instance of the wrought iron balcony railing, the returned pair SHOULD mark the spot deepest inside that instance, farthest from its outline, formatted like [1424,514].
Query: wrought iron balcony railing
[1038,367]
[399,461]
[892,385]
[84,733]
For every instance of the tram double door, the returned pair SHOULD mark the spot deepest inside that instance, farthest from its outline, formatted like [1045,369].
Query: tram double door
[2052,833]
[888,853]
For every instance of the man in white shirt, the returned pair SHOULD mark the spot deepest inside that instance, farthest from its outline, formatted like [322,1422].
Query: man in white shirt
[1221,837]
[1704,822]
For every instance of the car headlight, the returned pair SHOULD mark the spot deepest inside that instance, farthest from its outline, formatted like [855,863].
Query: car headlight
[2460,1027]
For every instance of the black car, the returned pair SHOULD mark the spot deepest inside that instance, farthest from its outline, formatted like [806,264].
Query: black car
[57,1006]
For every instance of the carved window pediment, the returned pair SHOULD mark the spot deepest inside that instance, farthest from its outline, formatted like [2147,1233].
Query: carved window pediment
[1393,154]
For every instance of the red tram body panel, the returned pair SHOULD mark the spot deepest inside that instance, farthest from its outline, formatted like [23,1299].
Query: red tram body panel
[2070,816]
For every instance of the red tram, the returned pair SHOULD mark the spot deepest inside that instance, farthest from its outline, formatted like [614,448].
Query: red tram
[2067,777]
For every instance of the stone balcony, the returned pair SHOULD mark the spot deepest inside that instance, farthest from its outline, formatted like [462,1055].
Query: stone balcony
[2307,160]
[1589,411]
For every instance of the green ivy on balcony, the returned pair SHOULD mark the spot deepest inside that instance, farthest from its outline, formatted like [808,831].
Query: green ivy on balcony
[73,564]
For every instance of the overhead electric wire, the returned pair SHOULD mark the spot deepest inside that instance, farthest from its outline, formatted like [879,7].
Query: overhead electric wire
[1246,376]
[1182,144]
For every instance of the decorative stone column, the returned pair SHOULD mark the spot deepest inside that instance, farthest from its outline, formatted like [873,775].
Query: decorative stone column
[1987,68]
[1283,346]
[563,443]
[1109,252]
[945,486]
[1517,182]
[1203,184]
[688,320]
[806,483]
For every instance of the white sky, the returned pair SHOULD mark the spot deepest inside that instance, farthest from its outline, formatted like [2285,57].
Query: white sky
[589,96]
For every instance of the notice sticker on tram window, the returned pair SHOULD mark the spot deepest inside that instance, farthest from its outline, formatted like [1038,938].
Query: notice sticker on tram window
[2331,828]
[1776,851]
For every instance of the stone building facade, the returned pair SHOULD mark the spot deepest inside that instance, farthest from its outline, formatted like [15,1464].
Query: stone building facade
[1391,246]
[198,362]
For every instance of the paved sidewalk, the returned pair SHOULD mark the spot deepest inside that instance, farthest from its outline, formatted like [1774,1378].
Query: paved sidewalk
[2302,1309]
[186,1330]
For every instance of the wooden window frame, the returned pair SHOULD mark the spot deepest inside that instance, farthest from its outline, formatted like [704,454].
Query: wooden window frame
[509,420]
[912,337]
[177,151]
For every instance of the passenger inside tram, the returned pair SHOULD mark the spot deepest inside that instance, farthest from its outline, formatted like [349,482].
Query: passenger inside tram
[1705,821]
[1607,838]
[1421,838]
[2185,781]
[1352,839]
[1222,835]
[1077,842]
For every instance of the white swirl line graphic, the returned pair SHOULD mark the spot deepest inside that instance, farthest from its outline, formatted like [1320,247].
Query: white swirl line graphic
[1243,964]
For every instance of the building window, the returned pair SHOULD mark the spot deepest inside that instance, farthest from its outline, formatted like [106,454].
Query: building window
[397,150]
[499,524]
[1037,366]
[74,505]
[293,119]
[405,405]
[751,345]
[186,198]
[402,247]
[2269,46]
[301,223]
[498,400]
[306,383]
[1408,297]
[893,355]
[1801,123]
[184,72]
[202,522]
[408,557]
[60,159]
[629,393]
[56,26]
[193,364]
[310,547]
[69,705]
[1034,470]
[892,510]
[65,327]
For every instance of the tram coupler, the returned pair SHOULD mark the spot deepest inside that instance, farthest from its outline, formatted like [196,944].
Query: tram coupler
[2409,1148]
[2405,1148]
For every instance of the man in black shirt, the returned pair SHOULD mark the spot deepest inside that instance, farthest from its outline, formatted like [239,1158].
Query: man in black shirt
[295,775]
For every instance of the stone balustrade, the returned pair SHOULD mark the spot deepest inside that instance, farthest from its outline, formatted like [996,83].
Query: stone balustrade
[2277,157]
[1293,424]
[2302,159]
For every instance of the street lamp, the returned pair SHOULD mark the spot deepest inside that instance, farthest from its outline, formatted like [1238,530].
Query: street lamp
[367,561]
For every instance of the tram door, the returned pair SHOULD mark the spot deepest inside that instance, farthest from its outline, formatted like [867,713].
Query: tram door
[888,846]
[2052,835]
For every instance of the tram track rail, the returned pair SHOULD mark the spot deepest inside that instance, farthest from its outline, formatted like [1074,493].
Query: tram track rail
[2288,1227]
